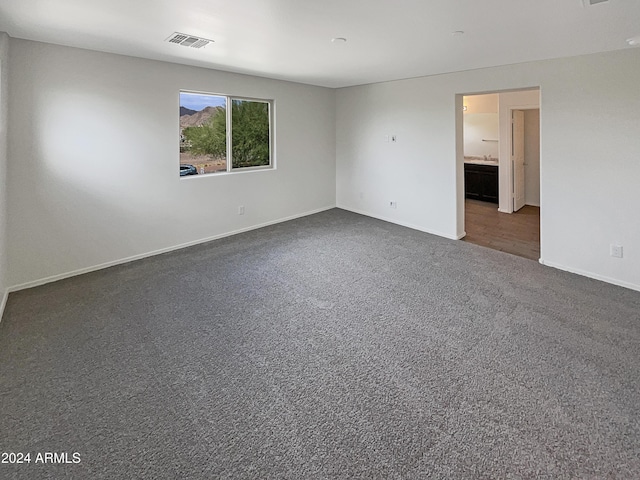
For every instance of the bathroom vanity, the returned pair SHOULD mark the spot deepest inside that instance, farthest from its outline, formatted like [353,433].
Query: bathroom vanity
[481,179]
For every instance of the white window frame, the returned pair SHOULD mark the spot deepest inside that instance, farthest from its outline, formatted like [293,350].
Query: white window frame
[229,104]
[230,167]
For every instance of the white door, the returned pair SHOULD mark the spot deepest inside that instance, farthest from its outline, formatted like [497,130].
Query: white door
[517,158]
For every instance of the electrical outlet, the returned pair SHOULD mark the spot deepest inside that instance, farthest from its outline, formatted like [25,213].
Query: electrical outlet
[386,138]
[393,204]
[394,138]
[616,250]
[241,210]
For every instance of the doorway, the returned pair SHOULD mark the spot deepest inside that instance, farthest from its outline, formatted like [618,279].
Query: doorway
[501,163]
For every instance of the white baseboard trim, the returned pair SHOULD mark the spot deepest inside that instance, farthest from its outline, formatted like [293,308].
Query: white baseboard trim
[81,271]
[3,303]
[402,224]
[595,276]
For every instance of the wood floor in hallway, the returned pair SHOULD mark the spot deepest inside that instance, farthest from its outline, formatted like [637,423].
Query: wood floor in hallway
[517,233]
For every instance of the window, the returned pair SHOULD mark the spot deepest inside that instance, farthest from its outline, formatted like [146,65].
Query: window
[215,138]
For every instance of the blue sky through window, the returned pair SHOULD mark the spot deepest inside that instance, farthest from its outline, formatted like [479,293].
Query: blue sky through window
[198,101]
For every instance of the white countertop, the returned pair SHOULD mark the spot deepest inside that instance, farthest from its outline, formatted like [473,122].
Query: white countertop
[481,161]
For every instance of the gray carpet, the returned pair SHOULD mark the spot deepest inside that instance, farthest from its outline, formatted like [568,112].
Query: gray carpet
[332,346]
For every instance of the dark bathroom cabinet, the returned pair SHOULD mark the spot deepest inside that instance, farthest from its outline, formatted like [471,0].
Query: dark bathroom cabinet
[481,182]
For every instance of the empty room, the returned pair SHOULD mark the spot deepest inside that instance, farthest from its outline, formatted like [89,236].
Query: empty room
[236,239]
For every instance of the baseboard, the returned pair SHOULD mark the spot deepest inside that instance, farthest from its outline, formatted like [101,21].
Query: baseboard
[62,276]
[3,303]
[506,211]
[396,222]
[595,276]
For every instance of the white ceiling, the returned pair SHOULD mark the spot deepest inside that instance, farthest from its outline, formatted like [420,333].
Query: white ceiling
[291,39]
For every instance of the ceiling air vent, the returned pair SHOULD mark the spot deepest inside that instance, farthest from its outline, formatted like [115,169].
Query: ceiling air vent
[188,40]
[589,3]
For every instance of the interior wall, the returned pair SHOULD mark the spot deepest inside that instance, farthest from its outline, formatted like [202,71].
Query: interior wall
[532,157]
[484,103]
[4,99]
[590,109]
[93,160]
[481,125]
[481,133]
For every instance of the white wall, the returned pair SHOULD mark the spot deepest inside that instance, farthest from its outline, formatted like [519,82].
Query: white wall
[4,100]
[590,155]
[481,134]
[486,103]
[481,125]
[532,157]
[93,160]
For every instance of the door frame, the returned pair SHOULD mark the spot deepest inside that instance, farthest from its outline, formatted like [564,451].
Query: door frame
[506,168]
